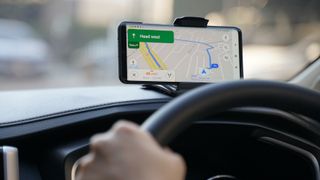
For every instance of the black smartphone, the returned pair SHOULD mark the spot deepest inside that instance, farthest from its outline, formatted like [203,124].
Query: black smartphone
[153,53]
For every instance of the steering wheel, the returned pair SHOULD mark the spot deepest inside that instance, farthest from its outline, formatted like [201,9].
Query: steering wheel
[176,116]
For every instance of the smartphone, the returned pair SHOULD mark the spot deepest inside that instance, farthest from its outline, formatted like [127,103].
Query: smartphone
[153,53]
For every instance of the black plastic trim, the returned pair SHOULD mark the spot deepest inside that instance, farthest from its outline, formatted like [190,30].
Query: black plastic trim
[306,154]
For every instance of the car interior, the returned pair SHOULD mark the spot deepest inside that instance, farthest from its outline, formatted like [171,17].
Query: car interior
[262,126]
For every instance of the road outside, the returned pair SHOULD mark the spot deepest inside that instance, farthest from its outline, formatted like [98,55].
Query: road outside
[60,75]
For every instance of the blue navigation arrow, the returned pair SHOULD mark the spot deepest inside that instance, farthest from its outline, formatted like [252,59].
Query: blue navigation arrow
[214,66]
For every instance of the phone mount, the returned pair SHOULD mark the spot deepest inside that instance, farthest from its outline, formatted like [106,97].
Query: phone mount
[179,88]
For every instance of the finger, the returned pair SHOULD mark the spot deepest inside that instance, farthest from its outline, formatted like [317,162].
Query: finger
[177,158]
[85,161]
[179,161]
[125,126]
[133,132]
[167,149]
[102,143]
[126,129]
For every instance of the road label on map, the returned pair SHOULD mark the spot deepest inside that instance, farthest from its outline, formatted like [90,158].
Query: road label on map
[134,45]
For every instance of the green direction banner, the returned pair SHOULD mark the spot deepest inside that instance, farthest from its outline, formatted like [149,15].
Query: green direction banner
[143,35]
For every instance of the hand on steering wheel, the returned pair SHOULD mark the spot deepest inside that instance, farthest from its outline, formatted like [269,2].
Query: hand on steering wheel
[127,152]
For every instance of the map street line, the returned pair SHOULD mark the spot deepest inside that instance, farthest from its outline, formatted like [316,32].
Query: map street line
[197,64]
[169,54]
[189,64]
[206,44]
[181,60]
[209,56]
[154,59]
[222,74]
[147,56]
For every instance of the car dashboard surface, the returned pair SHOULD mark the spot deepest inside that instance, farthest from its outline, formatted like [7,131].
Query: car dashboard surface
[249,143]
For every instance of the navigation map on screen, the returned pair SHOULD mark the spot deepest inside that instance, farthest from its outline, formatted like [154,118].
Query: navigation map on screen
[182,54]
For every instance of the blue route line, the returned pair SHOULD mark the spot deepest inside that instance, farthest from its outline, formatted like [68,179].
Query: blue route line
[209,55]
[154,59]
[199,42]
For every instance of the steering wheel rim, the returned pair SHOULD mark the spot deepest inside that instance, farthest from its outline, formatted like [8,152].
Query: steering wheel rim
[177,115]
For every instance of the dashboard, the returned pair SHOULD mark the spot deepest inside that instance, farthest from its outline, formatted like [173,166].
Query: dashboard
[49,146]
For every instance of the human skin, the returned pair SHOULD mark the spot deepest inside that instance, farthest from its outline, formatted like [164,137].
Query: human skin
[127,152]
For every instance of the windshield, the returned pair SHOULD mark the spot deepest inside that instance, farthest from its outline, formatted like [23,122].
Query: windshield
[72,43]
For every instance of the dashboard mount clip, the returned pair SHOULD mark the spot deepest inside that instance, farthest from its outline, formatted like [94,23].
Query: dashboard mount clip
[189,21]
[179,88]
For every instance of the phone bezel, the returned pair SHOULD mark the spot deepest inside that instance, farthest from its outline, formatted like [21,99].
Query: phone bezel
[122,53]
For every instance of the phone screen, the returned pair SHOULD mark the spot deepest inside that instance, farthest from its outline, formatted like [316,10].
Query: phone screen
[159,53]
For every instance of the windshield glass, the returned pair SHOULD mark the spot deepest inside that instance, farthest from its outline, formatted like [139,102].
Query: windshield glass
[71,43]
